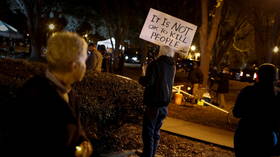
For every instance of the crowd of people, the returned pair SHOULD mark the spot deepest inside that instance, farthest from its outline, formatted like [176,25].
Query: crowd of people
[47,114]
[98,58]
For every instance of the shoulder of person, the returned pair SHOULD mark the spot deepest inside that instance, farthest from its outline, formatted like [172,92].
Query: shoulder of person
[153,63]
[36,80]
[248,89]
[35,86]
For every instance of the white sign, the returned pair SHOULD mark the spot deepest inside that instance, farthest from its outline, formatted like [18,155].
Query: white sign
[163,29]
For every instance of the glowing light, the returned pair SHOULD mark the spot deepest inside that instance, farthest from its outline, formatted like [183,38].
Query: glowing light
[276,49]
[86,35]
[197,55]
[135,58]
[126,57]
[255,76]
[78,148]
[51,26]
[241,73]
[193,47]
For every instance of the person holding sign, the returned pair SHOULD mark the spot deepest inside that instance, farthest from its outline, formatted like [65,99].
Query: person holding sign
[158,82]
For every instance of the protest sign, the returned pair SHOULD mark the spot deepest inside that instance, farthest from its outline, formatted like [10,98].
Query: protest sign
[163,29]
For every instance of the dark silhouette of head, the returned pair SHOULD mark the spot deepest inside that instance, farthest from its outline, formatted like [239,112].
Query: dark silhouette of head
[267,73]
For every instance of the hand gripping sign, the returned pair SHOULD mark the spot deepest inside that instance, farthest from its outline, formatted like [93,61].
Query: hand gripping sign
[163,29]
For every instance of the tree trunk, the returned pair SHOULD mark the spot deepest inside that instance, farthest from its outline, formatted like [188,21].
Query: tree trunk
[33,10]
[207,42]
[203,40]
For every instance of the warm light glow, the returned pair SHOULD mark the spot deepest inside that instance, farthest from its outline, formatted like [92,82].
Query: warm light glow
[86,35]
[78,148]
[276,49]
[193,47]
[51,26]
[197,55]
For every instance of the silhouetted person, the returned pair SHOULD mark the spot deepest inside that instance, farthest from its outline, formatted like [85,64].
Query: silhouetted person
[223,87]
[196,79]
[106,58]
[158,82]
[94,59]
[258,110]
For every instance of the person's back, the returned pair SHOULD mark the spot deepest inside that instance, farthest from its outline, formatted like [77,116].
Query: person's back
[159,92]
[257,108]
[158,82]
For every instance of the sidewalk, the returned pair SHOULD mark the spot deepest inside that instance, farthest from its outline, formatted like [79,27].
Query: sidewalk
[200,132]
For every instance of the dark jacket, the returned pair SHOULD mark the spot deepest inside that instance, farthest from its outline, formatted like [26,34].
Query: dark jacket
[45,124]
[196,76]
[257,106]
[90,60]
[158,81]
[223,83]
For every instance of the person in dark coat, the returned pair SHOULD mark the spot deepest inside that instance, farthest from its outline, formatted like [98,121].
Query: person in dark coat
[258,110]
[46,116]
[223,87]
[158,82]
[196,79]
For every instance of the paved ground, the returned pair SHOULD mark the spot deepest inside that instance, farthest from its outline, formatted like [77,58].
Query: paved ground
[200,132]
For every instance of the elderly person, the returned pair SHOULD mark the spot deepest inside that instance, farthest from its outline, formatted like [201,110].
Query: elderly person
[47,117]
[158,82]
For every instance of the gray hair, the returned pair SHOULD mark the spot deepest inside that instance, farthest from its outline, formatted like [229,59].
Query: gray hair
[64,48]
[166,51]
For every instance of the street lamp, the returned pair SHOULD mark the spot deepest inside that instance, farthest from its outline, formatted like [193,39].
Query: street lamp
[51,26]
[193,47]
[276,49]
